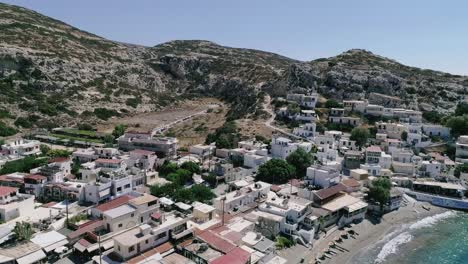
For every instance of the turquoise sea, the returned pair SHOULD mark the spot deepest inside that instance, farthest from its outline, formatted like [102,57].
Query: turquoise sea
[438,239]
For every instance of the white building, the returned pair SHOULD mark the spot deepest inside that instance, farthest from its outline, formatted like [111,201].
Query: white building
[14,204]
[281,147]
[372,169]
[355,106]
[430,169]
[244,197]
[321,176]
[345,120]
[461,154]
[436,130]
[22,147]
[203,151]
[161,229]
[393,130]
[306,116]
[374,110]
[253,161]
[306,130]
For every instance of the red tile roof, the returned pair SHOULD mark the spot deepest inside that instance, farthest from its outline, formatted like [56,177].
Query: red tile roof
[216,241]
[156,215]
[112,161]
[5,190]
[6,178]
[85,243]
[159,249]
[35,177]
[114,203]
[47,205]
[374,149]
[59,159]
[330,191]
[89,228]
[351,182]
[275,188]
[235,256]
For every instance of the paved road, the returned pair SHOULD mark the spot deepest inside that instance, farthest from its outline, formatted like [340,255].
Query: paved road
[267,108]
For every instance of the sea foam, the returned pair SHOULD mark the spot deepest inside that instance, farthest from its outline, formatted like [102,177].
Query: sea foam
[430,220]
[392,245]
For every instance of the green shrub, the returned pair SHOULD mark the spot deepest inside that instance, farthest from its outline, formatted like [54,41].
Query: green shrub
[6,130]
[104,113]
[23,122]
[133,102]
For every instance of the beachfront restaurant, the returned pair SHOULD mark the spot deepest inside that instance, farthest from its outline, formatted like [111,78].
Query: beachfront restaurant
[440,188]
[348,208]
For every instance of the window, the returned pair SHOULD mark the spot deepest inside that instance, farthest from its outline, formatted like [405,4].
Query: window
[130,249]
[141,219]
[161,236]
[146,241]
[127,186]
[118,248]
[120,225]
[132,215]
[119,189]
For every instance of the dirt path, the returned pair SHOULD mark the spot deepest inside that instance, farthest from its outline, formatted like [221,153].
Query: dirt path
[269,122]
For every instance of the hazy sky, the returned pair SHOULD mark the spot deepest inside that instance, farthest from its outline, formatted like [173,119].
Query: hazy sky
[423,33]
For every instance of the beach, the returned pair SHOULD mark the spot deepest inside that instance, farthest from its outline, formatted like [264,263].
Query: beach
[372,231]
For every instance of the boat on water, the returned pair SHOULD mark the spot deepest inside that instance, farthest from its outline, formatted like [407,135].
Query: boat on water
[443,194]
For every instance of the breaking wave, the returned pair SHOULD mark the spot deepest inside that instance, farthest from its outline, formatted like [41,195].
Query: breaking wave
[430,220]
[392,245]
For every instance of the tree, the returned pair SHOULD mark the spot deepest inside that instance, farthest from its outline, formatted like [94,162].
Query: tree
[2,141]
[458,124]
[23,231]
[119,130]
[210,178]
[404,135]
[85,126]
[275,171]
[202,193]
[44,149]
[167,167]
[380,191]
[56,153]
[293,109]
[463,168]
[183,195]
[331,103]
[190,166]
[360,135]
[108,140]
[462,109]
[301,160]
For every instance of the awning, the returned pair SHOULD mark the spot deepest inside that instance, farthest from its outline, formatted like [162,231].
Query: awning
[93,247]
[31,258]
[79,247]
[108,244]
[356,206]
[56,245]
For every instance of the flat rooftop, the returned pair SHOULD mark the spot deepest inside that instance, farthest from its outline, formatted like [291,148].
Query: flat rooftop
[120,211]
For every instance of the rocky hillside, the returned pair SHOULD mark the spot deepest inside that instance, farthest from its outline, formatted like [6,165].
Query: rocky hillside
[52,73]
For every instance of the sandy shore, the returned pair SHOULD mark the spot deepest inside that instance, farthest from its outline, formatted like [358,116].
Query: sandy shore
[370,231]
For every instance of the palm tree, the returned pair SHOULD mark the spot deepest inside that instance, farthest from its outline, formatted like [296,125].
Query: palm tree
[23,231]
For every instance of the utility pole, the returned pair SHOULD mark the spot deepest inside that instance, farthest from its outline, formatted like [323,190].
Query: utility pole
[222,217]
[66,211]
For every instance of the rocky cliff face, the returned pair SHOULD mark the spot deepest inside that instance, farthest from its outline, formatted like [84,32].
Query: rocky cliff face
[52,71]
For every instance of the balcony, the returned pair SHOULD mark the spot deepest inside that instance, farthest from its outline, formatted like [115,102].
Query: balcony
[181,233]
